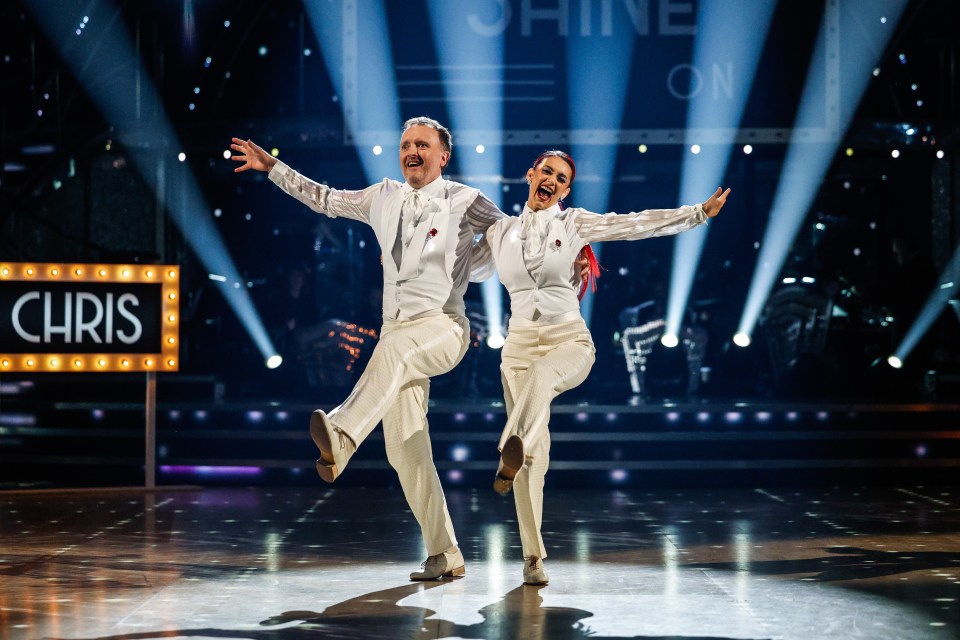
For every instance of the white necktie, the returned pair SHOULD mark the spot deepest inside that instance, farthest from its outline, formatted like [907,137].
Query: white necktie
[532,234]
[533,238]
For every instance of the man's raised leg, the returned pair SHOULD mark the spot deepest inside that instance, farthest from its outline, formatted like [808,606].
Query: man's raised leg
[407,350]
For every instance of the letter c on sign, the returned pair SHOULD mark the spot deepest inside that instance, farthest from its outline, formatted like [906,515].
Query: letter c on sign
[15,316]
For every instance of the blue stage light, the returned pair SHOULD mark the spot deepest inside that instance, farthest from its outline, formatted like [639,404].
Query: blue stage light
[471,69]
[714,115]
[846,53]
[596,62]
[355,42]
[944,294]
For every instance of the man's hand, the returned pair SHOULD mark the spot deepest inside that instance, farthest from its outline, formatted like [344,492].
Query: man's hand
[252,156]
[713,205]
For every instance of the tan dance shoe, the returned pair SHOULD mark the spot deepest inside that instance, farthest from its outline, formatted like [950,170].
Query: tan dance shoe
[443,565]
[335,446]
[533,572]
[511,461]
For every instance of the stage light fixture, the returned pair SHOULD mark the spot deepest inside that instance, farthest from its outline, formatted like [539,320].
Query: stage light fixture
[496,340]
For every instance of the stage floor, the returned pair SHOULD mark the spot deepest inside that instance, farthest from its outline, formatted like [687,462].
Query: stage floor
[332,562]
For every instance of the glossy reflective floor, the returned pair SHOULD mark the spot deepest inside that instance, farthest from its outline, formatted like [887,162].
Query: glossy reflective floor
[329,562]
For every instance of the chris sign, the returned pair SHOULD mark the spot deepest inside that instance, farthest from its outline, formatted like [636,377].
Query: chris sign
[89,317]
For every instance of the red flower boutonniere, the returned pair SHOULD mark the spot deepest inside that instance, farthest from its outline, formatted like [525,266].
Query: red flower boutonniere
[556,245]
[433,232]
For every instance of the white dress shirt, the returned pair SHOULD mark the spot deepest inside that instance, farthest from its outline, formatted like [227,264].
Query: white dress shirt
[436,260]
[534,252]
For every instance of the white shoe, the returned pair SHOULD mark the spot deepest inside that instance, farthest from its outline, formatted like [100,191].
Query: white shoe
[533,572]
[335,446]
[511,461]
[442,565]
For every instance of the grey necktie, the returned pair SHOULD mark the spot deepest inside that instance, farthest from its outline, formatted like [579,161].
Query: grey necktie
[409,217]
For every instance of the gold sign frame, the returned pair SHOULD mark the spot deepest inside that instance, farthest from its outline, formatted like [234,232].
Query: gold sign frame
[168,276]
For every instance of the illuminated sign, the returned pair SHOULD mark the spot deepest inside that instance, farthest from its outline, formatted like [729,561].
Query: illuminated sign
[89,317]
[652,41]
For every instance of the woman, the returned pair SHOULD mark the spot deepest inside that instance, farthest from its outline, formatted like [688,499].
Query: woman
[548,348]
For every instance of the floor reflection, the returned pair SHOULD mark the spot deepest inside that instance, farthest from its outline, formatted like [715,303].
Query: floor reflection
[848,563]
[298,563]
[379,615]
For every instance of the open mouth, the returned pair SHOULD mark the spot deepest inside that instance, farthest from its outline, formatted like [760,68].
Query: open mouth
[544,194]
[414,162]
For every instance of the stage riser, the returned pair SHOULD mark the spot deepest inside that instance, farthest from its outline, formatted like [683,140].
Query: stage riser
[72,444]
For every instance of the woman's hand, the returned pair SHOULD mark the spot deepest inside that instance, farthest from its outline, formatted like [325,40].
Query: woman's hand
[713,205]
[584,267]
[252,156]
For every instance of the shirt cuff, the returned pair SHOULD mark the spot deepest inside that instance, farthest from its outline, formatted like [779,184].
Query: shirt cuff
[278,172]
[702,216]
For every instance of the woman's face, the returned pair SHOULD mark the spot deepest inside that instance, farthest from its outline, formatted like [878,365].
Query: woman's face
[549,183]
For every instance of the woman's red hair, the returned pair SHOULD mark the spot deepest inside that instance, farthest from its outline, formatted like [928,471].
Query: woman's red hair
[592,274]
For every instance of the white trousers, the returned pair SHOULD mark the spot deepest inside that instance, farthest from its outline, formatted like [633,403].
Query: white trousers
[539,362]
[394,388]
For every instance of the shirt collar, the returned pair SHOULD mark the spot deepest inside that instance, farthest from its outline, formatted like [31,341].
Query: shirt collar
[432,190]
[545,214]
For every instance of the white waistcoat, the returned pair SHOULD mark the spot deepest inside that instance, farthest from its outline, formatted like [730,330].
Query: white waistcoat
[435,269]
[551,292]
[545,295]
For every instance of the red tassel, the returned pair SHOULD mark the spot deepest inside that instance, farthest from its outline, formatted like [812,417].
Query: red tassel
[592,274]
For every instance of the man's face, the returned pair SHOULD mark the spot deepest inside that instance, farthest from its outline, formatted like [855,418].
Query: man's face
[422,157]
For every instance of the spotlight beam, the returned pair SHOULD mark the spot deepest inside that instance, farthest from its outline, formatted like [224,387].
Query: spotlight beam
[717,109]
[807,162]
[476,114]
[597,98]
[104,44]
[943,294]
[355,42]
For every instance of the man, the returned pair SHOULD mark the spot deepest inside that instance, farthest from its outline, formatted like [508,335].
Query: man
[425,227]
